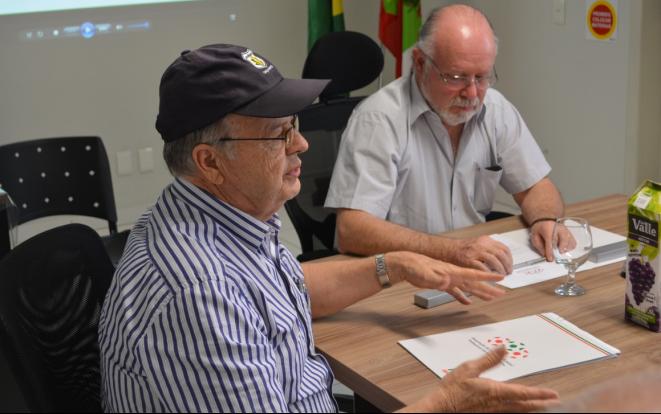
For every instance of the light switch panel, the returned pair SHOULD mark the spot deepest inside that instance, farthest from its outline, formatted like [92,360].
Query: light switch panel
[146,159]
[124,163]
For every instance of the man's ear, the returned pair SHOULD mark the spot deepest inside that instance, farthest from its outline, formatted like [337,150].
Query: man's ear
[209,163]
[418,61]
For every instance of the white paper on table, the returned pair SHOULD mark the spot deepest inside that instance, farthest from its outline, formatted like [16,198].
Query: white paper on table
[535,343]
[519,245]
[522,252]
[544,271]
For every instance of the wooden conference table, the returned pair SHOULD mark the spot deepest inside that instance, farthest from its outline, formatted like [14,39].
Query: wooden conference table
[361,341]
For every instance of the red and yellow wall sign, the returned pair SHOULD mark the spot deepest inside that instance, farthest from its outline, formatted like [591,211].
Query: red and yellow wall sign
[601,19]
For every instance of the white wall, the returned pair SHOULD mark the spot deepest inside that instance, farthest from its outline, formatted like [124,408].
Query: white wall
[108,85]
[648,89]
[571,91]
[593,106]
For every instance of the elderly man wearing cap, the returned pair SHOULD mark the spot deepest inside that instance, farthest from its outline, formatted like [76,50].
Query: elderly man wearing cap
[207,310]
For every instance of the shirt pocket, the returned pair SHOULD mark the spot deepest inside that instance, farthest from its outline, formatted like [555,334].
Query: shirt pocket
[487,180]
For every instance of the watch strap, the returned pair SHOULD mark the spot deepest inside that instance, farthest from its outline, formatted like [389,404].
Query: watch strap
[382,271]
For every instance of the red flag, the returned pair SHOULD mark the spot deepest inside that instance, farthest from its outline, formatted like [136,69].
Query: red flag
[390,30]
[399,24]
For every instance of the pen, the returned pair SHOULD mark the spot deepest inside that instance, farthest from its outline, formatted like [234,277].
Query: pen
[529,262]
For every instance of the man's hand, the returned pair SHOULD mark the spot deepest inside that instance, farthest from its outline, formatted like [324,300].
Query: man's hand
[541,237]
[463,391]
[425,272]
[483,253]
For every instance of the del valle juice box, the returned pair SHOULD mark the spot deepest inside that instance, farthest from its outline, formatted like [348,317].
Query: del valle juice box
[643,292]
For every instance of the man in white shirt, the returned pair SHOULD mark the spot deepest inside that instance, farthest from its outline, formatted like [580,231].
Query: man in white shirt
[426,153]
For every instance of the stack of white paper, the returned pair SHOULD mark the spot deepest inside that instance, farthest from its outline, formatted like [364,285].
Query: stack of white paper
[530,267]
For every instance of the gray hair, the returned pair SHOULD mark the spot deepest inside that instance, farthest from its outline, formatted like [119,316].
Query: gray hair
[178,153]
[429,28]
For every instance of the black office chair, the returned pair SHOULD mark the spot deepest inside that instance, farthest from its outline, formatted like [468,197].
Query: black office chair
[52,288]
[496,215]
[351,60]
[54,176]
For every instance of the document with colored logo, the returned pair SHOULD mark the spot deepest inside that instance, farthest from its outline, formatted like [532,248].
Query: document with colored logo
[535,343]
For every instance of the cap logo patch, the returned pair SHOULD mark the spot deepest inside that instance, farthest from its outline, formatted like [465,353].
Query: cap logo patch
[253,59]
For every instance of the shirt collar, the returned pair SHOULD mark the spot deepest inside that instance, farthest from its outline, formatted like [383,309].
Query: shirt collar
[252,231]
[419,105]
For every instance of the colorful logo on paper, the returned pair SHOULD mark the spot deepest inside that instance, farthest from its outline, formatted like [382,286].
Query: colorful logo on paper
[516,350]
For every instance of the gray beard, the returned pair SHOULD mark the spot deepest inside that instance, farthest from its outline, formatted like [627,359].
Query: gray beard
[448,117]
[451,119]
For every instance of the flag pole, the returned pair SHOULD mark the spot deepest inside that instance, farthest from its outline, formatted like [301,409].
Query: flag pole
[381,74]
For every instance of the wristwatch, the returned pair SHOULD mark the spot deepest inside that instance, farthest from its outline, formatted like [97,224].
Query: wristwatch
[382,271]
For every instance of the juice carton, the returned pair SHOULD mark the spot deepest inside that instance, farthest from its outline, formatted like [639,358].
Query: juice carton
[643,292]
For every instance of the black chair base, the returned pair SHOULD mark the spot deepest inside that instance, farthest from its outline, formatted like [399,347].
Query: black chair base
[114,244]
[315,254]
[495,215]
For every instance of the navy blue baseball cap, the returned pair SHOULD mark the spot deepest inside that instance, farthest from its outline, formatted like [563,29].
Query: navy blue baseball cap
[203,85]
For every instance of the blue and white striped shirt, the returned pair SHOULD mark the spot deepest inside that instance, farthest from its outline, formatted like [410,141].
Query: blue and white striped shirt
[207,311]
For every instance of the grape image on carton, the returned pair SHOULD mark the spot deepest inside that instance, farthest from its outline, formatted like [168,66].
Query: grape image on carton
[643,292]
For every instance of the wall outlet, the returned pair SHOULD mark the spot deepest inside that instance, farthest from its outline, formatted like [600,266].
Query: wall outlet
[124,163]
[146,159]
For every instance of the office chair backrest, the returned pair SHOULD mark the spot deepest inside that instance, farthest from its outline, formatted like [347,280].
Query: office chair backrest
[352,60]
[53,176]
[51,291]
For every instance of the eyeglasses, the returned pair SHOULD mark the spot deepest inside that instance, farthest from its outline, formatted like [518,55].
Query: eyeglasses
[458,82]
[287,136]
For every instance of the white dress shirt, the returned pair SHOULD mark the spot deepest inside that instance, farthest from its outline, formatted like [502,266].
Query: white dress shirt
[396,160]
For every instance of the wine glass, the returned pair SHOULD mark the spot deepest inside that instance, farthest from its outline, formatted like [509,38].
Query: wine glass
[572,244]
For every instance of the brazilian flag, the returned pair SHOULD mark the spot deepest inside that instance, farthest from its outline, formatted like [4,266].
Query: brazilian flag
[324,16]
